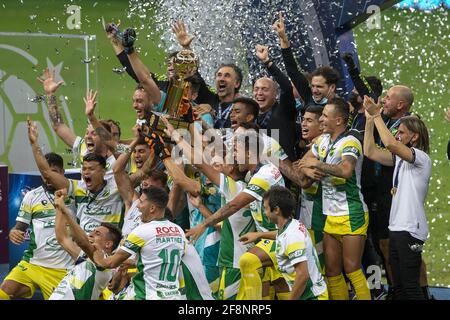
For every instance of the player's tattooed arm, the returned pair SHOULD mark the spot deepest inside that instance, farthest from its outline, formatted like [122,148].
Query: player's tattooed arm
[53,111]
[241,200]
[343,170]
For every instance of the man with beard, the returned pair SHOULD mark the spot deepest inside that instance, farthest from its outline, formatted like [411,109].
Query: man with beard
[396,105]
[324,79]
[123,47]
[228,80]
[45,263]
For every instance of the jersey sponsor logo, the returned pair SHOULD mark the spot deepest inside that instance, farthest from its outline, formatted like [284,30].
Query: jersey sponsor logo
[275,173]
[332,151]
[52,244]
[297,253]
[302,228]
[254,206]
[167,230]
[49,223]
[323,148]
[97,210]
[351,150]
[22,268]
[88,227]
[253,187]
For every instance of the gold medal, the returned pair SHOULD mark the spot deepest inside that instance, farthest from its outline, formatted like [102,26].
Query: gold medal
[393,191]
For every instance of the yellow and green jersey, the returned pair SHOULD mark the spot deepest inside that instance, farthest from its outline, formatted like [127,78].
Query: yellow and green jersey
[160,246]
[266,176]
[37,211]
[93,209]
[311,214]
[85,281]
[341,196]
[235,226]
[293,246]
[79,150]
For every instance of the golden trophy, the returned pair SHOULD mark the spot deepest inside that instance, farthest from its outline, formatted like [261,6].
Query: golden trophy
[177,107]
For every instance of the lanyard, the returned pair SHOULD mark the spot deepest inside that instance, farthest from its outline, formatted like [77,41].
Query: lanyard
[397,173]
[395,187]
[226,112]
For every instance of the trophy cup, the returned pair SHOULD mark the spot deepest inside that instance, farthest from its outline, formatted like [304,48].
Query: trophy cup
[177,107]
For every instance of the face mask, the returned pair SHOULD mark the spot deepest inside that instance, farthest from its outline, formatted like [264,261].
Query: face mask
[324,101]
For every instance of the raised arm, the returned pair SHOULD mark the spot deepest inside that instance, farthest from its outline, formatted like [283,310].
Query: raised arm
[197,202]
[57,180]
[353,71]
[145,78]
[78,235]
[61,222]
[50,88]
[212,174]
[180,178]
[122,178]
[141,71]
[90,102]
[180,32]
[299,80]
[287,100]
[392,144]
[177,200]
[112,261]
[371,150]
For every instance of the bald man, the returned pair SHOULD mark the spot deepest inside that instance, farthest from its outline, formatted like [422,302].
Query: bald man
[397,102]
[278,114]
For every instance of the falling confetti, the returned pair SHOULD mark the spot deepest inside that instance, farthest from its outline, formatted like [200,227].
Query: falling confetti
[411,48]
[119,70]
[37,99]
